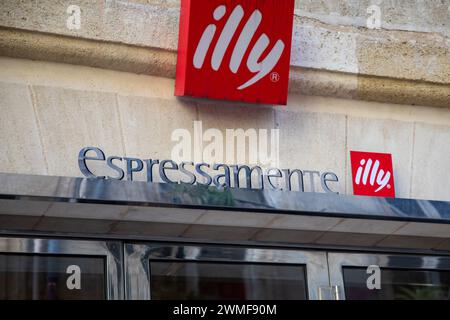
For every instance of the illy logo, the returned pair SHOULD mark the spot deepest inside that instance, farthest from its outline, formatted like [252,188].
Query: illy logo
[235,50]
[376,174]
[255,61]
[372,174]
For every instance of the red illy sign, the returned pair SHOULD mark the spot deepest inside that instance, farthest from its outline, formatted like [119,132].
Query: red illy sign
[372,174]
[235,50]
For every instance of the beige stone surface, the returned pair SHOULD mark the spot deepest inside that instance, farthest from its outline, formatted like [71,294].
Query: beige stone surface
[309,91]
[405,55]
[84,78]
[20,144]
[81,106]
[326,36]
[412,15]
[320,46]
[385,136]
[391,54]
[71,120]
[154,61]
[431,162]
[312,141]
[223,116]
[120,21]
[407,92]
[315,82]
[368,109]
[79,51]
[148,124]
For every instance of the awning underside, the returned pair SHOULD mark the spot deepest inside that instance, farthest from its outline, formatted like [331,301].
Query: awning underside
[160,211]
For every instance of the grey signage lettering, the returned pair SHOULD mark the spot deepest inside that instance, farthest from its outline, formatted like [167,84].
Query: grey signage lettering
[192,177]
[311,178]
[288,177]
[82,158]
[150,164]
[248,176]
[277,174]
[226,176]
[116,168]
[220,175]
[203,173]
[328,177]
[167,165]
[131,169]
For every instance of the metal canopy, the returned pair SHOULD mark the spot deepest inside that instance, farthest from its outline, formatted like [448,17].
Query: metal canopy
[80,190]
[77,207]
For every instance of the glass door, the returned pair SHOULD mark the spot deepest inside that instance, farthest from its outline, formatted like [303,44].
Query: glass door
[49,269]
[178,272]
[226,281]
[223,273]
[390,276]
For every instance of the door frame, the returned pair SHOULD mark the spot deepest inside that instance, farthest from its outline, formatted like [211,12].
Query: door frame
[338,260]
[138,256]
[111,250]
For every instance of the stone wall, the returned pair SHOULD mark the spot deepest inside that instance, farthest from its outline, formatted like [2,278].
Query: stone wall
[412,48]
[50,111]
[110,84]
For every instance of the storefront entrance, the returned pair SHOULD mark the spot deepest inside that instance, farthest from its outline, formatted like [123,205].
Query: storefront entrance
[76,269]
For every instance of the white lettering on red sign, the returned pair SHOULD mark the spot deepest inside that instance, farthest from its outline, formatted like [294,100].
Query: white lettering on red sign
[235,50]
[376,174]
[262,68]
[372,173]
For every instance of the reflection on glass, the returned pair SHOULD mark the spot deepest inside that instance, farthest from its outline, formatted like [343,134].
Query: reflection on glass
[194,280]
[36,277]
[397,284]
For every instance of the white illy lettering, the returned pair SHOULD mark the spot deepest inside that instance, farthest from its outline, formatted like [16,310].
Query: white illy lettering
[367,173]
[255,63]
